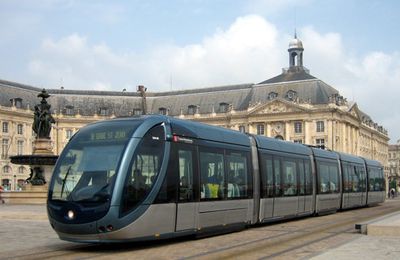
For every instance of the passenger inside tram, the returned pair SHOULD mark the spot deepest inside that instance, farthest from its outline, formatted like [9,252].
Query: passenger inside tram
[139,182]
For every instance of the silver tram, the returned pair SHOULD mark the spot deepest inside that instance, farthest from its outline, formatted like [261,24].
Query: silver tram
[155,177]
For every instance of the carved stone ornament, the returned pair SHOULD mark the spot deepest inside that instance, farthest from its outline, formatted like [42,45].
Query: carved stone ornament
[275,108]
[277,128]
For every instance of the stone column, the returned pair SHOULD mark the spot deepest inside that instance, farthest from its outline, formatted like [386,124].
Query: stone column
[329,141]
[307,132]
[268,129]
[287,130]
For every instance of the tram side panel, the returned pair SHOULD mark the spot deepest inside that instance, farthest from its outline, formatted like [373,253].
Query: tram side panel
[226,186]
[328,191]
[286,180]
[286,189]
[354,181]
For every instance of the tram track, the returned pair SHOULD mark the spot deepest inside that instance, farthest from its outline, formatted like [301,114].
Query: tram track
[301,238]
[283,245]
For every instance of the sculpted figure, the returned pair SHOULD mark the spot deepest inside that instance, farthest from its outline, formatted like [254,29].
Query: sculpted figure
[42,119]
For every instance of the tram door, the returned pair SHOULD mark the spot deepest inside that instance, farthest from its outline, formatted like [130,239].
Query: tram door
[186,203]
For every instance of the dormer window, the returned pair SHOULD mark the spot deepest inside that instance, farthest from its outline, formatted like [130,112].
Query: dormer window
[103,111]
[223,107]
[17,102]
[291,95]
[272,95]
[69,110]
[137,112]
[162,111]
[192,109]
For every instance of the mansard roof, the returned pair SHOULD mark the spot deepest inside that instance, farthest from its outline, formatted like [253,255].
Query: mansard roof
[208,100]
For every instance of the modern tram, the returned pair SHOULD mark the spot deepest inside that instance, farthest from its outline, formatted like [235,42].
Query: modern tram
[155,177]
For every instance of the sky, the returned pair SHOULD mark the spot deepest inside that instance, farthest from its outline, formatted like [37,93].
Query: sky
[352,45]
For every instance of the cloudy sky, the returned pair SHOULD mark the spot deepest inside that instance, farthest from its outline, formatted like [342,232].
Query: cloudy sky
[353,45]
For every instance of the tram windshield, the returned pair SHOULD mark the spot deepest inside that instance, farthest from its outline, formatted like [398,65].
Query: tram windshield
[87,168]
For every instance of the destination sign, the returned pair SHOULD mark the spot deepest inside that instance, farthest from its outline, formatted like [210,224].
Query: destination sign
[108,135]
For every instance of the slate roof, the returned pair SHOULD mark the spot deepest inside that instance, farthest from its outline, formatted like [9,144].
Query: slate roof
[292,74]
[239,97]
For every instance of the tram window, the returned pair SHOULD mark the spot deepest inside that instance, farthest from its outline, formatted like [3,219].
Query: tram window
[346,178]
[328,177]
[186,182]
[267,173]
[381,179]
[302,185]
[289,178]
[308,178]
[360,171]
[238,179]
[277,177]
[334,178]
[212,175]
[323,178]
[371,180]
[376,181]
[354,179]
[144,168]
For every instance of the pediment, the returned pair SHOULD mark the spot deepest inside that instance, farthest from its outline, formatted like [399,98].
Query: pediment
[355,111]
[276,107]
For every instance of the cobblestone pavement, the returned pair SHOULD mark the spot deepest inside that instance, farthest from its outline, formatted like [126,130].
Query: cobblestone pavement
[25,233]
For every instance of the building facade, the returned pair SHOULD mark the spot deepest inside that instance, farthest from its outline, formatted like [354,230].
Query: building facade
[394,166]
[293,106]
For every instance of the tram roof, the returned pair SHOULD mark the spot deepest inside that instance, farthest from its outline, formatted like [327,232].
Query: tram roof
[321,153]
[372,163]
[281,146]
[350,158]
[202,131]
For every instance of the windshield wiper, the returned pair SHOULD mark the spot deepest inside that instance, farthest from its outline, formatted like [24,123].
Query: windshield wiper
[64,180]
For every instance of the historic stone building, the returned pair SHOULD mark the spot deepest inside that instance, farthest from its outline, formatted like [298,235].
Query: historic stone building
[394,165]
[293,106]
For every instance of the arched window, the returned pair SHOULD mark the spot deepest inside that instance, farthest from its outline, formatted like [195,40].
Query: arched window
[137,112]
[192,109]
[6,183]
[21,170]
[6,169]
[163,111]
[223,107]
[103,111]
[69,110]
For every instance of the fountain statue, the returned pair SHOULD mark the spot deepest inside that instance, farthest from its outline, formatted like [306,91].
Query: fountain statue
[42,159]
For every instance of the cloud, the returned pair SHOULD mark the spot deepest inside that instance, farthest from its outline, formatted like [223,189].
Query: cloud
[244,52]
[251,49]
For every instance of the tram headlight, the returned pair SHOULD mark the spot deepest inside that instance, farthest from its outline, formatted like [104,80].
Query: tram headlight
[71,214]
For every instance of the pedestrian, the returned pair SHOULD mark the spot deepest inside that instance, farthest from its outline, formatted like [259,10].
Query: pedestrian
[1,191]
[392,193]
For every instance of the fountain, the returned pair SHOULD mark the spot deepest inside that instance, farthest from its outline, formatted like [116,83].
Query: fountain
[41,161]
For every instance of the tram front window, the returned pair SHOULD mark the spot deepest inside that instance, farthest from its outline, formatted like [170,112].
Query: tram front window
[87,168]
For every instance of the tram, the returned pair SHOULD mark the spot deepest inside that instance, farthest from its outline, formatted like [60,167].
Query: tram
[155,177]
